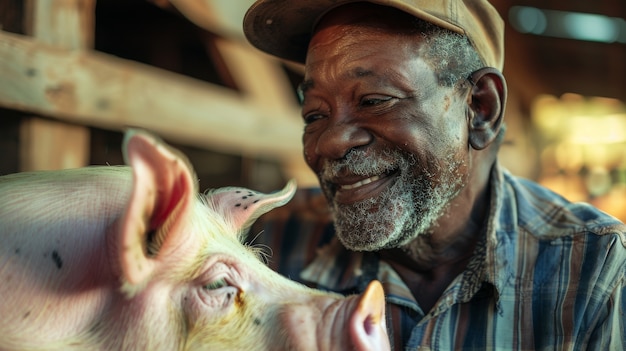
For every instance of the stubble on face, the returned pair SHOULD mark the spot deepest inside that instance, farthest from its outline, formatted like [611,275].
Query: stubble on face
[408,208]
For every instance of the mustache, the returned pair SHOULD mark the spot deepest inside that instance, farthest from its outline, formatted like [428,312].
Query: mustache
[366,163]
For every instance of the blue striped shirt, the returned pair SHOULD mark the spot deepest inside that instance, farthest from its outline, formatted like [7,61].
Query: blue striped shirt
[548,274]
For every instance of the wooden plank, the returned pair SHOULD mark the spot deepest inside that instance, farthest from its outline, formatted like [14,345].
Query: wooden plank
[258,75]
[48,144]
[95,89]
[217,16]
[261,78]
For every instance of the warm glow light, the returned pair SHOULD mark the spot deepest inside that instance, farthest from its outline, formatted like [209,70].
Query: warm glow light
[580,120]
[607,129]
[583,141]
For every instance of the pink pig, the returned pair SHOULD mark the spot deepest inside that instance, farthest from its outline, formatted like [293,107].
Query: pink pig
[132,258]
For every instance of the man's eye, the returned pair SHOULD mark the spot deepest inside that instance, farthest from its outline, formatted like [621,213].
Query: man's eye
[375,101]
[216,284]
[310,118]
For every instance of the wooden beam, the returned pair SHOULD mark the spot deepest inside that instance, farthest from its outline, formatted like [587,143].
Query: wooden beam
[220,17]
[95,89]
[264,82]
[258,75]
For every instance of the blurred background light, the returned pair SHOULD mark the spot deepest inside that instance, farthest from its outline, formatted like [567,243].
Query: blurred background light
[570,25]
[529,19]
[583,143]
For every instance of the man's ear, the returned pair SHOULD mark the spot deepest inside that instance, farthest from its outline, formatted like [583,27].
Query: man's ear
[488,98]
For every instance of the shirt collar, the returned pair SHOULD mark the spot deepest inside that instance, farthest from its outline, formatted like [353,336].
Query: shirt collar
[338,269]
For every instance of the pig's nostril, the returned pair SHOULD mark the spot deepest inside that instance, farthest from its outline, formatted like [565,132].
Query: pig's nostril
[372,304]
[368,327]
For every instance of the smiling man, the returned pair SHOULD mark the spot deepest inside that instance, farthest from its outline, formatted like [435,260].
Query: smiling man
[403,105]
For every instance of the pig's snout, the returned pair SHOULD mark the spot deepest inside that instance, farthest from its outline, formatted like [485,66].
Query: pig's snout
[368,329]
[330,324]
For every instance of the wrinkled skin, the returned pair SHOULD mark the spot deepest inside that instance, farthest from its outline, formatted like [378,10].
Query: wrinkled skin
[388,143]
[132,258]
[403,161]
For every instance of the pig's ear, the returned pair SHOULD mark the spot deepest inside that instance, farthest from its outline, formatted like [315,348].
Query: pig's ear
[164,188]
[243,206]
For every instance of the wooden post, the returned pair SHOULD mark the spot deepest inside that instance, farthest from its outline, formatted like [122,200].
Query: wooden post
[46,143]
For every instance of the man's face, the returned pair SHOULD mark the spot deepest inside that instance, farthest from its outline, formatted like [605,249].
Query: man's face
[388,144]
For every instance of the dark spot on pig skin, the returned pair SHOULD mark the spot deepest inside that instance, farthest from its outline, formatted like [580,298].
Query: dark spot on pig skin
[237,205]
[57,259]
[17,251]
[26,315]
[257,321]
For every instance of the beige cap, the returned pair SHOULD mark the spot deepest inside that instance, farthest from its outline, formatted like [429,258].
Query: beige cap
[283,27]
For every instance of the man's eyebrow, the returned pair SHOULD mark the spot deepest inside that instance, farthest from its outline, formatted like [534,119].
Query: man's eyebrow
[357,72]
[360,72]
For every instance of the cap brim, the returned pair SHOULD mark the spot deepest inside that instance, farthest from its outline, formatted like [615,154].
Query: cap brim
[283,28]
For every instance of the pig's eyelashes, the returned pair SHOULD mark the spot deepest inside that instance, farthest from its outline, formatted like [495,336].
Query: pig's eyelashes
[219,283]
[217,294]
[216,284]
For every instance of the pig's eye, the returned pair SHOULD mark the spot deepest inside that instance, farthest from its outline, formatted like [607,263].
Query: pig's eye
[216,284]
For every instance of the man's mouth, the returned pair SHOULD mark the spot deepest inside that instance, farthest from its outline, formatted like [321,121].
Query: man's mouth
[355,191]
[359,183]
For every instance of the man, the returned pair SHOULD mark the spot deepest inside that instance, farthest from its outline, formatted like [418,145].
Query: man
[403,106]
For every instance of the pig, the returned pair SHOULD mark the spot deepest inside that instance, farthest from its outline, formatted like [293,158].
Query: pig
[132,257]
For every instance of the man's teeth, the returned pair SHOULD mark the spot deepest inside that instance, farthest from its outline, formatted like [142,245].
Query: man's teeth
[360,183]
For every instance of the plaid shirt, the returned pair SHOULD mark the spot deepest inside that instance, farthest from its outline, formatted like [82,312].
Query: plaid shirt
[549,275]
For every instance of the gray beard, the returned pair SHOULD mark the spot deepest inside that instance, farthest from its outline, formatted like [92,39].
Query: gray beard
[407,209]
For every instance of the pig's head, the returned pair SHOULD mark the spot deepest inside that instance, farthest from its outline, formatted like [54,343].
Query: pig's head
[190,283]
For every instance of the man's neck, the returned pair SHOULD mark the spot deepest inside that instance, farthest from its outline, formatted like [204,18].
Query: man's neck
[433,260]
[427,270]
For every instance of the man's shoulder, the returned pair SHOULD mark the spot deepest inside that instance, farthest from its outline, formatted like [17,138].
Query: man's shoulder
[544,214]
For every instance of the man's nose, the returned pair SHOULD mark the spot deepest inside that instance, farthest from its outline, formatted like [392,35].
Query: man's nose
[340,137]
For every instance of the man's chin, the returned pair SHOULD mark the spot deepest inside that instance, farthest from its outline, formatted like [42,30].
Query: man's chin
[357,239]
[360,245]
